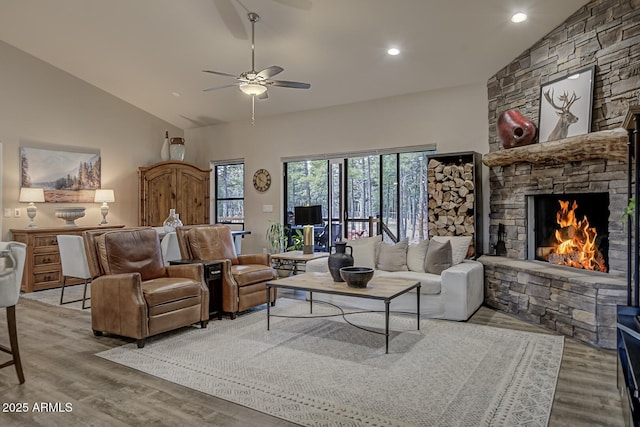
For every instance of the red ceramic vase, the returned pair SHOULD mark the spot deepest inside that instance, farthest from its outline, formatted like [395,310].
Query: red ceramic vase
[516,130]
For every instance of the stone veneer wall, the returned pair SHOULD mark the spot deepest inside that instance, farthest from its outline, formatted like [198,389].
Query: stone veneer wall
[605,33]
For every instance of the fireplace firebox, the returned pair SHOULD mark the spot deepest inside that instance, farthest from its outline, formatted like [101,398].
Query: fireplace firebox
[570,230]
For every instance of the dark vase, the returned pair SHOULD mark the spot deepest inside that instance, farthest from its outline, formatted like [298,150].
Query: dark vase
[338,259]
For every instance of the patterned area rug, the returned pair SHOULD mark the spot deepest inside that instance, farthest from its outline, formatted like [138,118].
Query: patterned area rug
[71,293]
[326,372]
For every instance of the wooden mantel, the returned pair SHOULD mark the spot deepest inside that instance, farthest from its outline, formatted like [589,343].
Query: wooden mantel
[606,144]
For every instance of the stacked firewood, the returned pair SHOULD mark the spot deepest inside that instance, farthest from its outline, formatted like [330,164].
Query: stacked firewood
[451,199]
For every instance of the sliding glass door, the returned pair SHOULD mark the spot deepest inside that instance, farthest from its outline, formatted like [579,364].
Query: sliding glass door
[383,191]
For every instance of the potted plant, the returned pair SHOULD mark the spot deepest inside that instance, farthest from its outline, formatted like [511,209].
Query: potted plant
[276,235]
[297,240]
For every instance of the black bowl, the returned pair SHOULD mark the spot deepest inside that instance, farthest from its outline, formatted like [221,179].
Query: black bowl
[356,277]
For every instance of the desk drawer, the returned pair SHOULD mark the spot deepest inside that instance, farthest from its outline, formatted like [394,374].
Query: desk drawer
[42,279]
[41,241]
[46,259]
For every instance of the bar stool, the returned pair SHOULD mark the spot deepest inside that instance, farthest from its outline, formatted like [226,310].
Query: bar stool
[14,254]
[74,264]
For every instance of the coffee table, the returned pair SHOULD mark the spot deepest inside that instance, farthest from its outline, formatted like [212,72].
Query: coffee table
[383,289]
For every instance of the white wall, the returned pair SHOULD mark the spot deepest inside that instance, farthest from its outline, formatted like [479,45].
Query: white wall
[44,106]
[455,119]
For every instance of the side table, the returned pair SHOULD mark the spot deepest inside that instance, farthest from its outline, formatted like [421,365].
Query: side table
[213,279]
[294,261]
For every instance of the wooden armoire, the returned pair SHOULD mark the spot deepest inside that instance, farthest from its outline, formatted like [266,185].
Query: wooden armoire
[173,185]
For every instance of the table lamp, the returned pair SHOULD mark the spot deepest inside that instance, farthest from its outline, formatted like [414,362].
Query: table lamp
[104,196]
[31,195]
[307,216]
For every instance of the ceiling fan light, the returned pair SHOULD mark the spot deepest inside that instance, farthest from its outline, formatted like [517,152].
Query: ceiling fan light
[253,89]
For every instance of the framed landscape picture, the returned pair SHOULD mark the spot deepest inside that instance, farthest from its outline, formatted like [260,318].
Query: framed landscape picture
[65,176]
[565,106]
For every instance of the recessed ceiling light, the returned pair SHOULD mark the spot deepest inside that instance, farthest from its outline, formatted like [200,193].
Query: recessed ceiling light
[393,51]
[176,94]
[519,17]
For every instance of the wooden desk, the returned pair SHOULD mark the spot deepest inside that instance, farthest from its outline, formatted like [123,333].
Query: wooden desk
[42,268]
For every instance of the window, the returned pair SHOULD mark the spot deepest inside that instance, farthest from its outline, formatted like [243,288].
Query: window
[229,193]
[389,185]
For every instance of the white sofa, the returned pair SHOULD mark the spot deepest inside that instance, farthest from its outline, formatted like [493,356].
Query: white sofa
[455,294]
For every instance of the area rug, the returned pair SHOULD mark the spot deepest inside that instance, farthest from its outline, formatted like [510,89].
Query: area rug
[52,297]
[325,372]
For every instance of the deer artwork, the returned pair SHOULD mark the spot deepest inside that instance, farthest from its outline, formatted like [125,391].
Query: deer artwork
[565,117]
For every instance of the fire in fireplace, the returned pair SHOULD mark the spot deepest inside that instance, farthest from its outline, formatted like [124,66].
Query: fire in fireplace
[572,230]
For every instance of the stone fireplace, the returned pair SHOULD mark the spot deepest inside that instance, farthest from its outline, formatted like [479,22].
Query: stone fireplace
[535,282]
[573,301]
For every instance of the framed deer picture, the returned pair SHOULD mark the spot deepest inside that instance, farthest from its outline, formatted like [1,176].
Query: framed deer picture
[565,106]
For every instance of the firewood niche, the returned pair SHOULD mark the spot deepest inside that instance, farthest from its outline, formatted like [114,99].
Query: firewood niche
[606,144]
[454,188]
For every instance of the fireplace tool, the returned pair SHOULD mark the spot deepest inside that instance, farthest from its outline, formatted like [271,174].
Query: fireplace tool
[501,248]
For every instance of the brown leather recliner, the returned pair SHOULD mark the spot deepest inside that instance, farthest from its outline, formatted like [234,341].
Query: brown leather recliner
[244,277]
[133,294]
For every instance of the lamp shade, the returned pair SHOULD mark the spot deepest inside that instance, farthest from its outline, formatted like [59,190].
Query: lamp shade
[308,215]
[104,196]
[28,194]
[253,88]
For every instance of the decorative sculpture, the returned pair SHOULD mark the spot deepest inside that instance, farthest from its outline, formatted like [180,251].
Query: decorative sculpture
[516,130]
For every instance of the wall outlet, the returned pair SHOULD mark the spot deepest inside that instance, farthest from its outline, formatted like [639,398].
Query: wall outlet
[16,212]
[7,213]
[267,208]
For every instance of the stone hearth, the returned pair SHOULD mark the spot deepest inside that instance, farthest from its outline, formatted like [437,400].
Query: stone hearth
[574,302]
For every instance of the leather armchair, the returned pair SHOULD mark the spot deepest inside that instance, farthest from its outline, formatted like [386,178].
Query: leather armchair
[133,294]
[244,277]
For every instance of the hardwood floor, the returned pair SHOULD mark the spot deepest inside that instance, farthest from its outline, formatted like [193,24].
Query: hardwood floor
[58,348]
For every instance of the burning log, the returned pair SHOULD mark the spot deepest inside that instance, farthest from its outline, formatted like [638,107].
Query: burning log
[566,233]
[543,252]
[575,241]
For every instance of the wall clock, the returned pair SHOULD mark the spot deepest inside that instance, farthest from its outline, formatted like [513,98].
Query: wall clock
[262,180]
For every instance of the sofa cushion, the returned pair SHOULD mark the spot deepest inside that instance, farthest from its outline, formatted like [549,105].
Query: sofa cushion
[393,257]
[459,246]
[438,257]
[430,284]
[416,254]
[365,250]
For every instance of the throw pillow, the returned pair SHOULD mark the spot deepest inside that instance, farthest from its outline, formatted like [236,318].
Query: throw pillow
[438,257]
[459,246]
[415,256]
[393,257]
[364,251]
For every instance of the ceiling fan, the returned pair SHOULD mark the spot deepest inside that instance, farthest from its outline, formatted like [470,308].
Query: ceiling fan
[255,83]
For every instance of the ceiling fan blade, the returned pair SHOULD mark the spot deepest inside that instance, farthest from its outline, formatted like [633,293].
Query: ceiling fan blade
[298,4]
[264,95]
[220,73]
[284,83]
[231,19]
[270,72]
[220,87]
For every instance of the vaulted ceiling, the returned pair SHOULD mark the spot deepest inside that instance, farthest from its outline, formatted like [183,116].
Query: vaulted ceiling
[151,53]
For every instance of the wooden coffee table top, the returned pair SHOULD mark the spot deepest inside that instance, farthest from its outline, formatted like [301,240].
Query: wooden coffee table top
[377,288]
